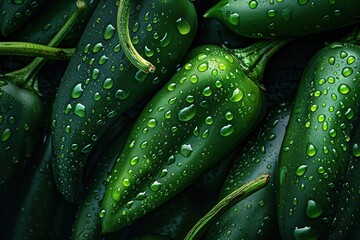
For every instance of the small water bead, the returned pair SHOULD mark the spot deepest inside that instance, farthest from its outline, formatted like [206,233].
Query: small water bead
[135,27]
[218,84]
[152,123]
[5,135]
[222,66]
[148,51]
[155,186]
[186,150]
[109,31]
[188,66]
[306,233]
[233,18]
[97,47]
[321,118]
[350,60]
[321,170]
[168,114]
[332,133]
[205,134]
[126,182]
[347,71]
[171,87]
[271,13]
[86,148]
[227,130]
[190,98]
[229,116]
[303,2]
[149,27]
[122,94]
[317,93]
[95,74]
[344,89]
[300,171]
[202,67]
[117,48]
[313,108]
[349,114]
[108,83]
[135,40]
[207,91]
[102,214]
[209,120]
[310,150]
[165,40]
[68,129]
[80,110]
[331,80]
[187,113]
[356,150]
[324,126]
[183,26]
[193,78]
[237,95]
[331,61]
[313,209]
[103,59]
[115,194]
[253,4]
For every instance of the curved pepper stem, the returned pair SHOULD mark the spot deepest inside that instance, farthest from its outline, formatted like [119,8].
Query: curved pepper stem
[125,41]
[35,50]
[239,194]
[254,58]
[28,76]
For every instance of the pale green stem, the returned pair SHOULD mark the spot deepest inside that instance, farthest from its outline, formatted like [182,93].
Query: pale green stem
[35,50]
[28,75]
[131,53]
[239,194]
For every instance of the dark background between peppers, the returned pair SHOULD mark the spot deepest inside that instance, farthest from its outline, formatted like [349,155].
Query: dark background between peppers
[281,79]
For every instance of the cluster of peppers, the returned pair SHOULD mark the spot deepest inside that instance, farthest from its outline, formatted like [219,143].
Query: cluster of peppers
[179,119]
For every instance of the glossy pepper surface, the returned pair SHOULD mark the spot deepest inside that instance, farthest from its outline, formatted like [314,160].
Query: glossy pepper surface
[255,216]
[316,149]
[100,83]
[205,109]
[273,19]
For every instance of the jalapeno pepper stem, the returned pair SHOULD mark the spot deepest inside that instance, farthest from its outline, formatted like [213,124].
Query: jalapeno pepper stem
[239,194]
[125,41]
[35,50]
[28,76]
[254,58]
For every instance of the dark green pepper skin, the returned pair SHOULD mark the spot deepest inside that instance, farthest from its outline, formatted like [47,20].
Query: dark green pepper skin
[87,222]
[316,149]
[346,225]
[93,94]
[273,19]
[30,207]
[16,13]
[175,218]
[42,27]
[177,136]
[21,127]
[255,217]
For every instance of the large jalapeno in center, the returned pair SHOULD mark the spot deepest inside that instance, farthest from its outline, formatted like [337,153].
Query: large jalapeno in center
[200,115]
[317,148]
[100,82]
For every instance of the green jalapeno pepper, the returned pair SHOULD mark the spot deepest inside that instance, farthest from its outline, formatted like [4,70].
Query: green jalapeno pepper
[100,83]
[202,113]
[316,149]
[255,216]
[22,114]
[346,224]
[273,19]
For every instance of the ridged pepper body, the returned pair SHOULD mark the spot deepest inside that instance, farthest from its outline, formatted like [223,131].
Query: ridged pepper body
[290,18]
[201,114]
[316,149]
[21,126]
[100,83]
